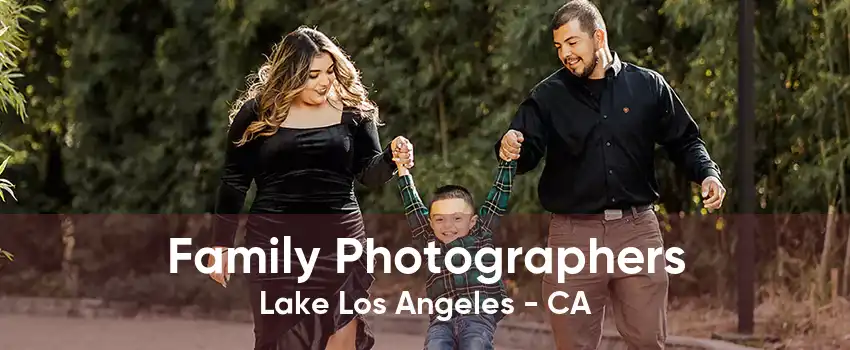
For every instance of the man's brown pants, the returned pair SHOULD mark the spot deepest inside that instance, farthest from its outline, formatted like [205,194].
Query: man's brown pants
[639,299]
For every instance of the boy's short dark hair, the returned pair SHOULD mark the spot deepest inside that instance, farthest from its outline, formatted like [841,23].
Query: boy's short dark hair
[453,191]
[587,14]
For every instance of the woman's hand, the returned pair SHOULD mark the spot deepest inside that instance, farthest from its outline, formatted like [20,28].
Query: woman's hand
[224,276]
[402,152]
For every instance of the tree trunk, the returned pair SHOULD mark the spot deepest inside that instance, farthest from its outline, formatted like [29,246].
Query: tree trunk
[845,290]
[823,267]
[70,270]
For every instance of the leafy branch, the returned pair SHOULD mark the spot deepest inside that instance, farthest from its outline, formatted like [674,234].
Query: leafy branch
[6,185]
[11,39]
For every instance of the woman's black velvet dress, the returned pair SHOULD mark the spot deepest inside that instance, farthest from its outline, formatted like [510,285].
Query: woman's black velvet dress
[305,190]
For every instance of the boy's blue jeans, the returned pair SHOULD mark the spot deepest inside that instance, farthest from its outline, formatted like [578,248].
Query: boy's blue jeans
[464,332]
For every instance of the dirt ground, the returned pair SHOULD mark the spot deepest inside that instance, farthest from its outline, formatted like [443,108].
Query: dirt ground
[48,333]
[782,320]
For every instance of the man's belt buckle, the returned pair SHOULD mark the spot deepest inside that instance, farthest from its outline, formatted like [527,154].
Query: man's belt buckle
[613,214]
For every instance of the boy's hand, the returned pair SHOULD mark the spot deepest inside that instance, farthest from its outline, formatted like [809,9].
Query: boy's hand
[402,170]
[511,144]
[402,152]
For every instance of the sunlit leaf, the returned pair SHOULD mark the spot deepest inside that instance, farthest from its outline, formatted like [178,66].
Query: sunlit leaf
[8,189]
[3,165]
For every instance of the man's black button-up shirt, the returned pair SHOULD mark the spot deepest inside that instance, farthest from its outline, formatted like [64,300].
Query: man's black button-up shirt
[599,138]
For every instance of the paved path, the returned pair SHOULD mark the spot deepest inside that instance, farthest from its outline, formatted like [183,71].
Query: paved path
[48,333]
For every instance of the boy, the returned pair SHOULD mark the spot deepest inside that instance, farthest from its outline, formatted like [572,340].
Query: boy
[451,220]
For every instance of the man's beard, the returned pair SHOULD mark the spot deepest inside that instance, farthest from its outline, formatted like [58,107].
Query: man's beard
[588,69]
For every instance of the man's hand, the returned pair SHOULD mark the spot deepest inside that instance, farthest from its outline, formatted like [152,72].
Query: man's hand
[713,193]
[511,144]
[402,152]
[224,276]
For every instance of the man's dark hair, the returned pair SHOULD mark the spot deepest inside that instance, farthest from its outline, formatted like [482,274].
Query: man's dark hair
[587,14]
[453,191]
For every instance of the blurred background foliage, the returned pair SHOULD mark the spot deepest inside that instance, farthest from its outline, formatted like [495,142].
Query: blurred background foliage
[127,109]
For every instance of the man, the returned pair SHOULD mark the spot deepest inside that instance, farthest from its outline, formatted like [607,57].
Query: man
[597,121]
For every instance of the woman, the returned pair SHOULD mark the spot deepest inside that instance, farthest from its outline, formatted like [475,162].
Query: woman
[304,132]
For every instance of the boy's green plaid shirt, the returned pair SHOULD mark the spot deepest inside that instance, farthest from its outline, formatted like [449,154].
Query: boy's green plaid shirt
[463,286]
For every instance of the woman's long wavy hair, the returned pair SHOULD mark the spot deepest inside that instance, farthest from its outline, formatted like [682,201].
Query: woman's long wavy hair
[279,81]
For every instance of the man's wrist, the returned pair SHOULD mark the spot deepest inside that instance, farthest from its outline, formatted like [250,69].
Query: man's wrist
[710,172]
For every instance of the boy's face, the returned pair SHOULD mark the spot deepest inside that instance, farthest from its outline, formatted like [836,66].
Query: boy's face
[451,219]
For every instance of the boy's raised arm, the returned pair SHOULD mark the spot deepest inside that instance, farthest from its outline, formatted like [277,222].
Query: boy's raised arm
[496,203]
[415,211]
